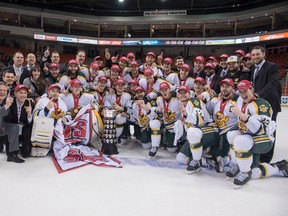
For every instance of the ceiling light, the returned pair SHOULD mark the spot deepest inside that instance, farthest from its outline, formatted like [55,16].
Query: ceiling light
[121,0]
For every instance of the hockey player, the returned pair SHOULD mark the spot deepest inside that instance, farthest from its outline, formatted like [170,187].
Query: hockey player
[181,78]
[133,73]
[51,105]
[254,137]
[92,77]
[199,90]
[200,137]
[141,109]
[100,92]
[123,64]
[167,109]
[150,63]
[76,99]
[131,57]
[220,109]
[71,73]
[119,101]
[166,67]
[151,84]
[114,75]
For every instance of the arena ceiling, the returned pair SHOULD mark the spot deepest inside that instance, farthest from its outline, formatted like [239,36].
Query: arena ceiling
[137,7]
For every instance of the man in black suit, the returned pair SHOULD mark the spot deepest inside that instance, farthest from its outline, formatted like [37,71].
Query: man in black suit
[21,72]
[18,125]
[265,78]
[212,80]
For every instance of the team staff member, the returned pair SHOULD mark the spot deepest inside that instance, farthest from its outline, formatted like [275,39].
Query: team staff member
[265,78]
[19,124]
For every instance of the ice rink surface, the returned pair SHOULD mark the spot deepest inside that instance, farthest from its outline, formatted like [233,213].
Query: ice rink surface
[141,189]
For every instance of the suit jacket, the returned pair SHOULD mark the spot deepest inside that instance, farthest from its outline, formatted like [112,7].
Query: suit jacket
[25,73]
[267,85]
[12,117]
[215,83]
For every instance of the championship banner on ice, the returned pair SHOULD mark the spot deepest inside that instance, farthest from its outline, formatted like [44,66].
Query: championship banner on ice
[71,148]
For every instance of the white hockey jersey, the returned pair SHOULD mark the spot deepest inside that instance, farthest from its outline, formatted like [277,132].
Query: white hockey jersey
[59,106]
[259,121]
[170,110]
[175,79]
[84,99]
[221,112]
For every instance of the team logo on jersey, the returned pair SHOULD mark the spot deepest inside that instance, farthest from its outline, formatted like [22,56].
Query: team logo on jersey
[242,126]
[263,108]
[58,114]
[169,116]
[196,103]
[143,119]
[221,120]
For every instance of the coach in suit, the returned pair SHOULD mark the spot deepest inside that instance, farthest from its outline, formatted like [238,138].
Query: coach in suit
[18,125]
[265,78]
[20,71]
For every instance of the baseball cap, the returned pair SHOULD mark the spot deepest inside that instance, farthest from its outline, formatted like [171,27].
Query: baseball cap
[114,66]
[200,58]
[228,81]
[151,54]
[134,81]
[241,52]
[148,71]
[19,87]
[247,56]
[94,65]
[232,59]
[75,82]
[134,63]
[123,58]
[185,66]
[164,85]
[224,56]
[72,61]
[98,57]
[200,79]
[169,60]
[53,65]
[183,88]
[54,86]
[139,88]
[130,54]
[212,58]
[119,81]
[102,78]
[209,65]
[244,84]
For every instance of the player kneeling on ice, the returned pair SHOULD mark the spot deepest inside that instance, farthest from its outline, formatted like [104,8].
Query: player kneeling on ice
[254,137]
[199,136]
[141,111]
[167,110]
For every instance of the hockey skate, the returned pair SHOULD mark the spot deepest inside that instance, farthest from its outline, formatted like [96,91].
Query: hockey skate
[153,151]
[233,171]
[193,167]
[242,179]
[282,166]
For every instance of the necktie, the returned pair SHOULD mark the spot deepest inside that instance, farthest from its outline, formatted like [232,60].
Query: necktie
[255,73]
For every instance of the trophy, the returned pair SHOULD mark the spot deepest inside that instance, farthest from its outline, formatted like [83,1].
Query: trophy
[109,137]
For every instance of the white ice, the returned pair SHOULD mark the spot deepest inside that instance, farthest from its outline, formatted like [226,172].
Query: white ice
[36,188]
